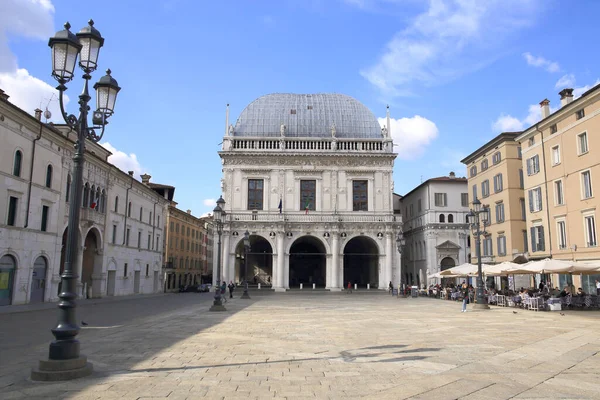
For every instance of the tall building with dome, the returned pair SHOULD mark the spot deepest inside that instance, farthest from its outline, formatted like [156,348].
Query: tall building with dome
[309,176]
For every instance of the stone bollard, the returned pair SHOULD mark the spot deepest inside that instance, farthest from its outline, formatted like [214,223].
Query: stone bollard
[301,286]
[368,286]
[259,286]
[313,286]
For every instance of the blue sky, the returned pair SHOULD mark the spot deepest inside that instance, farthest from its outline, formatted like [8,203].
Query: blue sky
[455,73]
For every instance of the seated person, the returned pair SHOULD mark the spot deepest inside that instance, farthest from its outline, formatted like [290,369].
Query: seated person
[580,292]
[565,292]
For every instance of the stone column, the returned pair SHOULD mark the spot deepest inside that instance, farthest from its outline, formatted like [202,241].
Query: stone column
[278,277]
[226,257]
[336,275]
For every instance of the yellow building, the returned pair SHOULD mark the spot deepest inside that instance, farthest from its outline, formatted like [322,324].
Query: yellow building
[495,177]
[559,157]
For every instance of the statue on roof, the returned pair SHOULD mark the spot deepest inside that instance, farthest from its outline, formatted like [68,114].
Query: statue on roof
[384,131]
[282,129]
[231,130]
[333,130]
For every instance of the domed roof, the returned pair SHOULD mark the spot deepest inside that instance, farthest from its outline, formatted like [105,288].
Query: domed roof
[307,115]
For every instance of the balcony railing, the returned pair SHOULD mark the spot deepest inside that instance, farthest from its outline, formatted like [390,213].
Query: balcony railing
[312,216]
[276,144]
[92,216]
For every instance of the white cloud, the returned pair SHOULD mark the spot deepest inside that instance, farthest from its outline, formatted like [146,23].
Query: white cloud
[209,202]
[33,19]
[541,62]
[411,136]
[577,92]
[507,123]
[449,39]
[125,162]
[565,81]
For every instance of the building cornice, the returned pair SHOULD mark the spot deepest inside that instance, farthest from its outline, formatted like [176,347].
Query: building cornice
[492,144]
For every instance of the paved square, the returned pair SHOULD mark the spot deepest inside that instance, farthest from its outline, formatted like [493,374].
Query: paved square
[330,346]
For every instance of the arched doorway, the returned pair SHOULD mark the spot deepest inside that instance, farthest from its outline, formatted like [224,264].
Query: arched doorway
[447,263]
[8,266]
[259,267]
[307,262]
[361,262]
[38,280]
[91,265]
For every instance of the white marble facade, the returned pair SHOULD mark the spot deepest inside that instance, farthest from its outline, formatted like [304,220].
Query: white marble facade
[34,217]
[327,162]
[435,228]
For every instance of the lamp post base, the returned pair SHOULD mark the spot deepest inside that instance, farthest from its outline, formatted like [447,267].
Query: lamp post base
[217,305]
[245,295]
[480,306]
[62,370]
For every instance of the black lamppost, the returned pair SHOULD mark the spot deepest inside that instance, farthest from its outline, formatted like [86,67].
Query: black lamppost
[478,225]
[245,295]
[64,361]
[400,243]
[218,217]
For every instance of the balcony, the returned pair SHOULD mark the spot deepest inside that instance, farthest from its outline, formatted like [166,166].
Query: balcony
[312,216]
[91,216]
[310,144]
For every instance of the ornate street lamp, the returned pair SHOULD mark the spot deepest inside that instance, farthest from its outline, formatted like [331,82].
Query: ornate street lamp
[245,295]
[218,217]
[64,361]
[479,217]
[400,243]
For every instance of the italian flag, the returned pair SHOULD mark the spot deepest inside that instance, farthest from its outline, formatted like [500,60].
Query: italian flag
[94,203]
[306,207]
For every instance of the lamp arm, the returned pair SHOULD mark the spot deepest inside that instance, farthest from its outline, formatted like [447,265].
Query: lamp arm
[91,135]
[70,119]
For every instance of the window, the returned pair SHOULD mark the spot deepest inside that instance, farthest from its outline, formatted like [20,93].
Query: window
[553,129]
[114,234]
[12,211]
[498,183]
[255,194]
[157,241]
[125,270]
[586,184]
[147,269]
[17,163]
[484,165]
[127,238]
[496,158]
[359,196]
[293,111]
[442,218]
[535,200]
[555,155]
[521,179]
[150,217]
[519,152]
[129,210]
[558,193]
[44,225]
[473,171]
[531,141]
[561,231]
[487,246]
[308,191]
[580,114]
[188,232]
[411,209]
[177,229]
[523,213]
[464,199]
[141,213]
[474,192]
[441,199]
[500,213]
[485,188]
[582,143]
[450,218]
[139,240]
[149,241]
[68,189]
[171,226]
[533,165]
[419,205]
[537,238]
[116,204]
[590,230]
[49,176]
[501,244]
[158,221]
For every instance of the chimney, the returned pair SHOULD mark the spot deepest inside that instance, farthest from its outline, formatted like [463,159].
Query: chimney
[3,96]
[545,106]
[130,173]
[452,175]
[145,179]
[566,96]
[189,212]
[38,114]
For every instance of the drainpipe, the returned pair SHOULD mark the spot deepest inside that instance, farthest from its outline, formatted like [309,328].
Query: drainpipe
[38,116]
[127,208]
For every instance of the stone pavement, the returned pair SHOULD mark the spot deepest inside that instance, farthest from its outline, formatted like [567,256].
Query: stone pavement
[333,346]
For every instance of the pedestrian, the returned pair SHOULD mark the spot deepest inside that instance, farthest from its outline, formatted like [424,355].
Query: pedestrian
[223,289]
[391,288]
[465,293]
[231,286]
[349,287]
[597,287]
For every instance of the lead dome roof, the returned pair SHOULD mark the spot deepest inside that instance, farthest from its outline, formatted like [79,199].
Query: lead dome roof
[307,115]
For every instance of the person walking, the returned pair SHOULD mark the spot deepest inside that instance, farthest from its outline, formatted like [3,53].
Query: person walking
[349,287]
[597,287]
[231,286]
[465,293]
[391,288]
[223,289]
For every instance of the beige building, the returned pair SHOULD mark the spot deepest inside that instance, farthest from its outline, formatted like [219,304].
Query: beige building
[559,157]
[186,254]
[495,177]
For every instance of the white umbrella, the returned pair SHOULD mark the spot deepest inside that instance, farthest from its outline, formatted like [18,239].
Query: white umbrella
[547,266]
[586,268]
[504,268]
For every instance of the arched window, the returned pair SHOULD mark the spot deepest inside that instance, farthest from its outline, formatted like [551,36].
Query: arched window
[129,210]
[116,204]
[49,176]
[97,199]
[86,195]
[92,198]
[450,218]
[68,191]
[442,218]
[17,163]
